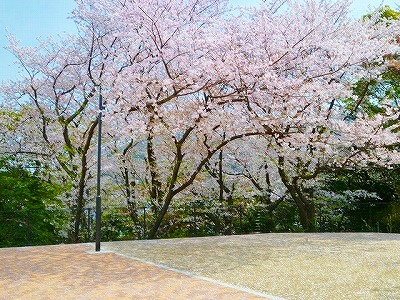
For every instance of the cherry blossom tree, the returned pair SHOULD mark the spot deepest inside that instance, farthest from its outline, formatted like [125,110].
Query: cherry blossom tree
[238,180]
[183,79]
[164,89]
[55,97]
[295,69]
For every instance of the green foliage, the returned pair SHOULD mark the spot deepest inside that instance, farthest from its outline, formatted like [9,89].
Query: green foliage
[385,13]
[361,200]
[117,225]
[244,216]
[369,95]
[188,220]
[30,212]
[392,217]
[287,218]
[390,14]
[11,119]
[373,95]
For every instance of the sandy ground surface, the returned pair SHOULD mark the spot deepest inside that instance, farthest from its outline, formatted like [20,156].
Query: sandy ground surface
[292,266]
[74,272]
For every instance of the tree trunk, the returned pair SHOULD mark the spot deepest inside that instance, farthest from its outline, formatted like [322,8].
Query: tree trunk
[160,216]
[217,223]
[166,200]
[155,184]
[80,201]
[306,213]
[306,208]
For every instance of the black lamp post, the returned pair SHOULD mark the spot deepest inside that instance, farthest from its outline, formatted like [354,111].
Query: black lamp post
[98,198]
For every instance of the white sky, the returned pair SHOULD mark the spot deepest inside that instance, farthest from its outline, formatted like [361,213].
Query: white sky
[29,20]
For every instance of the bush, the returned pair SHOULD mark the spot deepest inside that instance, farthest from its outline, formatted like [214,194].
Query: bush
[29,208]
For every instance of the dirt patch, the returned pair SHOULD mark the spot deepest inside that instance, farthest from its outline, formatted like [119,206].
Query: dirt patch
[291,266]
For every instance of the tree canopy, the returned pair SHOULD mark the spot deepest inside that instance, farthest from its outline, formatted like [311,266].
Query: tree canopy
[188,85]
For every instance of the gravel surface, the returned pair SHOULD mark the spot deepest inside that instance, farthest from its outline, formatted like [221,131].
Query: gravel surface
[293,266]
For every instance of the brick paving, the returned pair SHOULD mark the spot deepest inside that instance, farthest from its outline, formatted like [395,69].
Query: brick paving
[76,272]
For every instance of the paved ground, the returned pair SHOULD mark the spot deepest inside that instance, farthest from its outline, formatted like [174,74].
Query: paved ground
[75,272]
[291,266]
[341,266]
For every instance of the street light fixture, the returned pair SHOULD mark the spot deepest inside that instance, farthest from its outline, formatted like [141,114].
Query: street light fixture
[98,198]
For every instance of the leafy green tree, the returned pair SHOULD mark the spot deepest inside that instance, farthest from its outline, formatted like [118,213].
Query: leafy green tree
[374,95]
[380,204]
[369,198]
[30,213]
